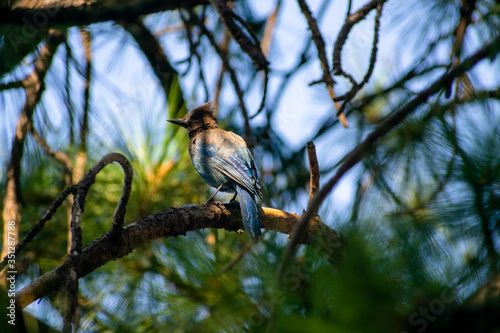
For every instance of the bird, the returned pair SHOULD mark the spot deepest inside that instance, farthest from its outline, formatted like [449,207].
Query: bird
[224,162]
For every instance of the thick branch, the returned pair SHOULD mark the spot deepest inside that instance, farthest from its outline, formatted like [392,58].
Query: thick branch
[171,223]
[80,12]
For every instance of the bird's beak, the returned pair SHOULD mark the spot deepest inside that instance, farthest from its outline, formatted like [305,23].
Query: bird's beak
[181,122]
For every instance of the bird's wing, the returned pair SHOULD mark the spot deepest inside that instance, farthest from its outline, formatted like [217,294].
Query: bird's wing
[235,161]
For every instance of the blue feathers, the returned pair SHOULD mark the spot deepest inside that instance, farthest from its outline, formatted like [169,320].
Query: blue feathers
[249,212]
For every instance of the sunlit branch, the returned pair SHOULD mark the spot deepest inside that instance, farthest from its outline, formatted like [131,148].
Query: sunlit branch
[176,222]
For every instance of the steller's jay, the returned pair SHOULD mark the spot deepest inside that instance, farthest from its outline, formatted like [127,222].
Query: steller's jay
[223,161]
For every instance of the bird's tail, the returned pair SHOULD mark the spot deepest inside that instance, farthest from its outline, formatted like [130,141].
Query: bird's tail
[249,212]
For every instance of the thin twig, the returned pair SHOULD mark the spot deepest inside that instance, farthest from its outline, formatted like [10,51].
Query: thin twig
[248,246]
[314,171]
[232,74]
[194,52]
[252,48]
[11,85]
[41,222]
[320,46]
[300,228]
[393,120]
[71,285]
[224,47]
[60,156]
[373,58]
[267,36]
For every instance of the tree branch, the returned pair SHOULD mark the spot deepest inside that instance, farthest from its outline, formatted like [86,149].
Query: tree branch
[232,74]
[250,47]
[368,145]
[80,12]
[71,285]
[373,57]
[320,46]
[172,223]
[34,87]
[40,223]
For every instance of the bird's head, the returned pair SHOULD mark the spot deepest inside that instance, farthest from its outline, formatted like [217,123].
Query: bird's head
[198,117]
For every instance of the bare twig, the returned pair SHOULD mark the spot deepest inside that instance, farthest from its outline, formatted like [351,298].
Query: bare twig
[232,74]
[60,156]
[393,120]
[300,228]
[349,23]
[119,215]
[41,222]
[314,170]
[71,285]
[320,46]
[194,52]
[11,85]
[87,48]
[224,47]
[169,29]
[267,37]
[373,58]
[468,7]
[248,246]
[250,47]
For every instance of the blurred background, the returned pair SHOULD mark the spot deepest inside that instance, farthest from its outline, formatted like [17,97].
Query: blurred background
[421,214]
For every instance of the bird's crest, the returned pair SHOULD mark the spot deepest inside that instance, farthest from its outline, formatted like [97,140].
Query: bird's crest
[208,107]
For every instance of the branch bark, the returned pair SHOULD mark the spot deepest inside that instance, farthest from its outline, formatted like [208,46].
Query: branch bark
[83,12]
[172,223]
